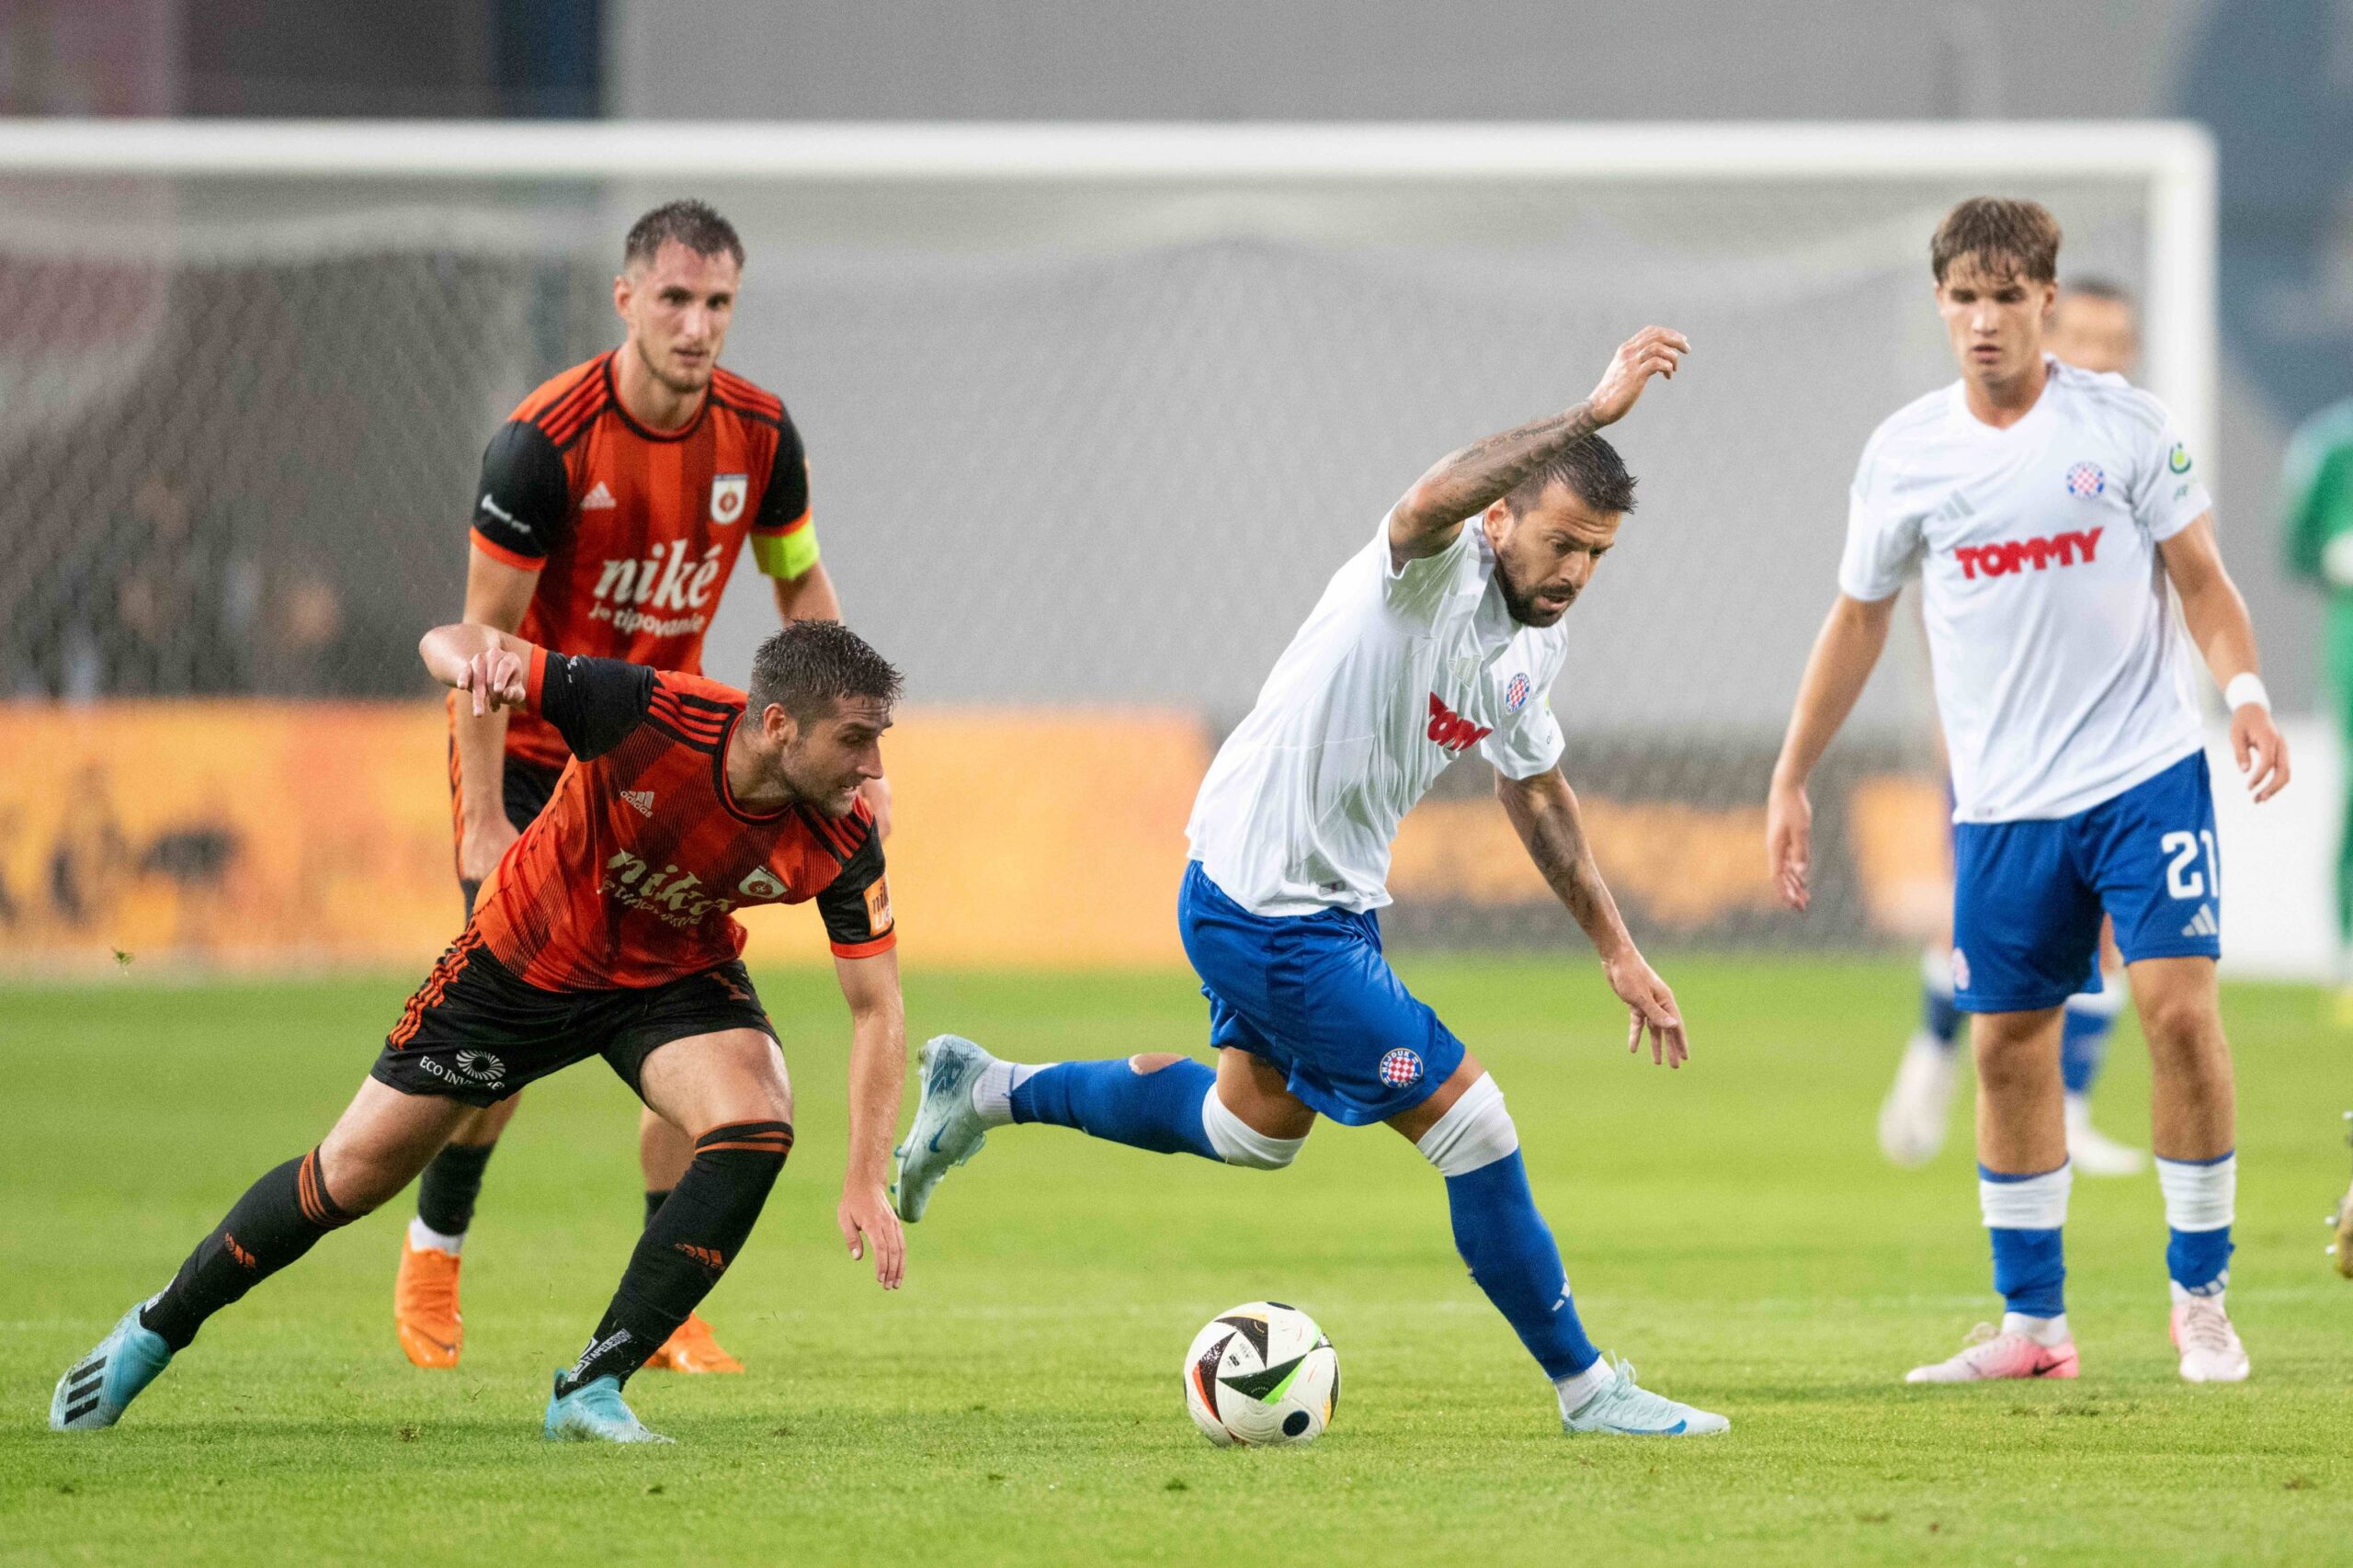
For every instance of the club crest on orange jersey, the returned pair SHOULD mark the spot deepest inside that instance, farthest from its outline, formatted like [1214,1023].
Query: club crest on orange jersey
[728,493]
[760,883]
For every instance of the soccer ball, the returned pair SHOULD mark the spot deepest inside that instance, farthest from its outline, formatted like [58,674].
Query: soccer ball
[1261,1373]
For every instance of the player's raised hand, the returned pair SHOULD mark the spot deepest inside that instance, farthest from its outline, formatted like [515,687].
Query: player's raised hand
[1653,351]
[1789,843]
[2261,749]
[1650,1006]
[867,1222]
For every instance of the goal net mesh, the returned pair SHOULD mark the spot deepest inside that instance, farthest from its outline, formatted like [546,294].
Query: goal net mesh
[1073,443]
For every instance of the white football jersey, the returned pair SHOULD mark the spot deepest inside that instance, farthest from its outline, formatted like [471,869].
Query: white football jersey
[1396,674]
[2062,674]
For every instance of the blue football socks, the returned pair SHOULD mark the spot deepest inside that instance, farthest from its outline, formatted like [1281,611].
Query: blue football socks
[2083,1042]
[1160,1111]
[1513,1257]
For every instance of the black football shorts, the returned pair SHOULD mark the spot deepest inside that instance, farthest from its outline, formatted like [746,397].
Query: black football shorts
[476,1032]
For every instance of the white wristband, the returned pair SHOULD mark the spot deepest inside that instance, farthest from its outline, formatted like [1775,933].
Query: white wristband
[2246,687]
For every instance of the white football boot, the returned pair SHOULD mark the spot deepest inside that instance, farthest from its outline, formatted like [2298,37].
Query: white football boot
[2094,1152]
[1624,1410]
[948,1129]
[2211,1351]
[1912,1118]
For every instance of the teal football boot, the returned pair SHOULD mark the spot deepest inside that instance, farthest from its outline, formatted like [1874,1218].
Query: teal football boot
[99,1388]
[593,1413]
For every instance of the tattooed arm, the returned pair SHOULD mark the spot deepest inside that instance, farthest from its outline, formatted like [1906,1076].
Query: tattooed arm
[1544,811]
[1465,482]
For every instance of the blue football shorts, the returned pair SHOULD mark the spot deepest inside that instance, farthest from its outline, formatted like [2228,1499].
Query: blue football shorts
[1313,995]
[2027,896]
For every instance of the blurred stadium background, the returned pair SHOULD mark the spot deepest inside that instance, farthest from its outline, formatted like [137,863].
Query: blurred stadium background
[1084,451]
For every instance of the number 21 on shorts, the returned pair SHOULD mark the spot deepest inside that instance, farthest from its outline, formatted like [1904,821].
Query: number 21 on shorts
[2183,880]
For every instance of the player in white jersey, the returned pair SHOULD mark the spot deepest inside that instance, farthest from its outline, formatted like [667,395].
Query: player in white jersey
[1441,634]
[2045,509]
[2092,327]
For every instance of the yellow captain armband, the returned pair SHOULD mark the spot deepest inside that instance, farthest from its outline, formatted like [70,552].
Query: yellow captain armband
[788,554]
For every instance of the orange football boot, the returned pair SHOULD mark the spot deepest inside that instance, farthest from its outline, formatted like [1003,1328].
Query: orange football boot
[425,1306]
[692,1349]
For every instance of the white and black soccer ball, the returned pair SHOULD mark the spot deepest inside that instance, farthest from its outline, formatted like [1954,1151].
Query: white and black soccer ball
[1261,1373]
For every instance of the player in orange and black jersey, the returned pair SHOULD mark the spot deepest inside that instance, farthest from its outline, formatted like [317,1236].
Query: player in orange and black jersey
[613,505]
[609,929]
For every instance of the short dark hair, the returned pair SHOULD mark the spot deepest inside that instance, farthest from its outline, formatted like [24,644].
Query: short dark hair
[694,224]
[1999,230]
[808,666]
[2098,289]
[1591,467]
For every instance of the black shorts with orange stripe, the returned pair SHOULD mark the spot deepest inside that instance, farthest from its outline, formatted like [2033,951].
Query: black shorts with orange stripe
[476,1033]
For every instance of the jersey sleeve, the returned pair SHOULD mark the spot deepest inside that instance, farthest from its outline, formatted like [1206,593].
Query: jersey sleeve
[524,496]
[1417,590]
[856,905]
[1883,542]
[1529,742]
[784,541]
[2169,495]
[593,703]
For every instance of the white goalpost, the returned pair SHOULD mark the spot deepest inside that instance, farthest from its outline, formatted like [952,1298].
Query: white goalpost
[1092,410]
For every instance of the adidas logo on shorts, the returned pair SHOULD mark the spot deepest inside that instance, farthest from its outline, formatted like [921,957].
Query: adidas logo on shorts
[642,799]
[2203,923]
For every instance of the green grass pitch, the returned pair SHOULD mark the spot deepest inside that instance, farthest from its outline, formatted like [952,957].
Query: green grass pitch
[1730,1228]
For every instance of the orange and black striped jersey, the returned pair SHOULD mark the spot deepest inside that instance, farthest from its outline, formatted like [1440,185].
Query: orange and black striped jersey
[634,532]
[629,876]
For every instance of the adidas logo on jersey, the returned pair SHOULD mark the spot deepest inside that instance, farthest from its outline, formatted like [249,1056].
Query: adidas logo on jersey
[598,499]
[642,799]
[2203,923]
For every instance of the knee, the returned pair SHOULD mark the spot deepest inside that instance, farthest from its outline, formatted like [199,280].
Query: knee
[1477,1132]
[2014,1062]
[1239,1144]
[1152,1061]
[2179,1025]
[361,1178]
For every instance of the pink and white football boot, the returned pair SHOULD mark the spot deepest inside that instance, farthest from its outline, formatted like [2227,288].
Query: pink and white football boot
[1990,1353]
[2211,1351]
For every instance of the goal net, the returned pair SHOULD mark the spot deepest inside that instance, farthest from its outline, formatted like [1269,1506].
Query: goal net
[1092,414]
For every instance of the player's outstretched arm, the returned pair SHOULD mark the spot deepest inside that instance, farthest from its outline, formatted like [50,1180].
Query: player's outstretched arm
[2225,633]
[492,664]
[1467,481]
[498,594]
[1843,653]
[1543,812]
[878,1071]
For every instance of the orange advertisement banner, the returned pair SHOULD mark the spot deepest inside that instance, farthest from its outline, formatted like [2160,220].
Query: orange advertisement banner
[269,835]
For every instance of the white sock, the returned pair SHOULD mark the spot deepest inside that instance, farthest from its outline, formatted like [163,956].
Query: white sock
[1578,1388]
[2048,1333]
[424,1237]
[2181,1295]
[992,1091]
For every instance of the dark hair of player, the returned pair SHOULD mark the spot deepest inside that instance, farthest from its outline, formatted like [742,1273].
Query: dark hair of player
[2098,289]
[694,224]
[1591,469]
[2005,235]
[808,666]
